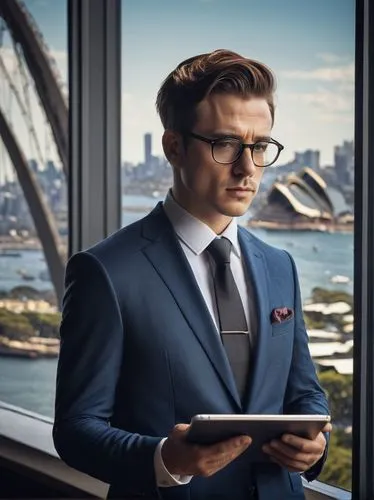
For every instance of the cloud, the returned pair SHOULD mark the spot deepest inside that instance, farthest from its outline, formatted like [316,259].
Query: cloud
[330,58]
[344,73]
[126,97]
[326,104]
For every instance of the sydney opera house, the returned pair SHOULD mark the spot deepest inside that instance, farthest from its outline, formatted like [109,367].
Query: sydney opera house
[302,201]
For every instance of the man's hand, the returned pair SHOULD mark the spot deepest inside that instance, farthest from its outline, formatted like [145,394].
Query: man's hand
[186,459]
[295,453]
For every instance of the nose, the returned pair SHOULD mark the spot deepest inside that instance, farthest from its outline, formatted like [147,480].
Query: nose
[244,165]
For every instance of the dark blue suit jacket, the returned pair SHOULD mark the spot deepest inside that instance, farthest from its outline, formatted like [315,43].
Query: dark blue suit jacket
[140,353]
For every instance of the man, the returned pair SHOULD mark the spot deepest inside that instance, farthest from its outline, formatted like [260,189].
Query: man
[184,313]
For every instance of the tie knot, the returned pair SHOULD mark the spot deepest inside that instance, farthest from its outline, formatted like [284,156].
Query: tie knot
[220,249]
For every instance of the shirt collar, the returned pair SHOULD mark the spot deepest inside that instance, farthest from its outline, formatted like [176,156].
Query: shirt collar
[195,233]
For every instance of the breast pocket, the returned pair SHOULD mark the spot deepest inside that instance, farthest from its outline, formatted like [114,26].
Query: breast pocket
[283,328]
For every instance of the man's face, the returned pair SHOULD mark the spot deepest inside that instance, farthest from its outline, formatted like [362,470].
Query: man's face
[212,192]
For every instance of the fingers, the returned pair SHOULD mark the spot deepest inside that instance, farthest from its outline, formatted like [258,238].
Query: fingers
[180,430]
[289,457]
[295,453]
[226,450]
[183,458]
[229,444]
[327,428]
[315,446]
[211,459]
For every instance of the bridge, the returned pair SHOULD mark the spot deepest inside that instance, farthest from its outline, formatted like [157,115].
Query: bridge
[34,62]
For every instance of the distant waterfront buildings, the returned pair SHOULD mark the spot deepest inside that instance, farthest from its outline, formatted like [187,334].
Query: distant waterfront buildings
[308,158]
[301,201]
[153,177]
[14,211]
[147,149]
[344,162]
[340,175]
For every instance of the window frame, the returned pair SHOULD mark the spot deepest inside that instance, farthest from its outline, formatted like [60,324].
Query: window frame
[95,196]
[363,348]
[95,121]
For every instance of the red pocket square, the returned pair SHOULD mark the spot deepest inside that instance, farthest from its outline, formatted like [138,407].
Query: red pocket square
[280,314]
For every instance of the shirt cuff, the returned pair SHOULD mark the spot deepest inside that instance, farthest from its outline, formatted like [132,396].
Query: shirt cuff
[163,477]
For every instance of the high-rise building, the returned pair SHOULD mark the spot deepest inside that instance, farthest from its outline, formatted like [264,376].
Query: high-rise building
[147,149]
[9,204]
[344,162]
[312,159]
[309,158]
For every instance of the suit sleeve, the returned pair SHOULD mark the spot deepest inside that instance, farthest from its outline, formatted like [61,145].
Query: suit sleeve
[304,395]
[92,339]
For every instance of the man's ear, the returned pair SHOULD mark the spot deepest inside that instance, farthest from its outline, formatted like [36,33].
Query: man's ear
[172,143]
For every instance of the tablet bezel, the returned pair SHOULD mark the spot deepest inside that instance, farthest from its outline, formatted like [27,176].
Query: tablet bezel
[212,428]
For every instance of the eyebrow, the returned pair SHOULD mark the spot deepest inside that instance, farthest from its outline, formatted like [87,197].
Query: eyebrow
[226,135]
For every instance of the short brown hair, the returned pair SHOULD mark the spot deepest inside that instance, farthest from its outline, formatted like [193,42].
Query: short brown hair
[221,71]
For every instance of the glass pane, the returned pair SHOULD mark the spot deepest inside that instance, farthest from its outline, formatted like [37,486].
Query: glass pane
[33,198]
[305,205]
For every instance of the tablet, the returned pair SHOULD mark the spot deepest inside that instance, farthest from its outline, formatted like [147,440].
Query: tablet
[209,429]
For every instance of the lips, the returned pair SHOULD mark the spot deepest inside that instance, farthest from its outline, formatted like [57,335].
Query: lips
[244,190]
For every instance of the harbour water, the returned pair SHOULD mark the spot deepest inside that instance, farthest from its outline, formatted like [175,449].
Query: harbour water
[30,383]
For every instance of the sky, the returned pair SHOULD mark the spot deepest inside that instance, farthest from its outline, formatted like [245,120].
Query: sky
[309,46]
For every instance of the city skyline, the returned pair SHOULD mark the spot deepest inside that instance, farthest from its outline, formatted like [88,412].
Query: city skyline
[142,159]
[312,57]
[148,151]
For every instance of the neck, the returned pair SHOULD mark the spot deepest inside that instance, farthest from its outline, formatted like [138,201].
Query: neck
[216,221]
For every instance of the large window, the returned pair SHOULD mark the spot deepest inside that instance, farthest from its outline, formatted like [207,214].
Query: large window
[33,197]
[306,203]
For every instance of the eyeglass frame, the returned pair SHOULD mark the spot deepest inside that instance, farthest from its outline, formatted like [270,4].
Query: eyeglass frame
[243,146]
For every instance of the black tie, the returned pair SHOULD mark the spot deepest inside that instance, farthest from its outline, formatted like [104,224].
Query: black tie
[232,320]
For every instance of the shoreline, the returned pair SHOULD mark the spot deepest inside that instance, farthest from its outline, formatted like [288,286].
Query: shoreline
[11,245]
[35,348]
[301,226]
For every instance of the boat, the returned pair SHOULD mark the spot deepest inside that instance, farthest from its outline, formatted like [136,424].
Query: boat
[6,253]
[25,275]
[339,278]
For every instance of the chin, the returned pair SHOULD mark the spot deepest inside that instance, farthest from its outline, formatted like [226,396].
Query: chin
[235,209]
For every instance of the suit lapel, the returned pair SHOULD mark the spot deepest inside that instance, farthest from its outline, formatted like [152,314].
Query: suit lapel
[258,274]
[170,262]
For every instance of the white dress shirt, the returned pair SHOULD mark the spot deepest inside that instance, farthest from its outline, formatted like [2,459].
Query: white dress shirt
[194,237]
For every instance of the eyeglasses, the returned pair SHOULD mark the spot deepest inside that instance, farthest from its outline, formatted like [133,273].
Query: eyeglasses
[226,150]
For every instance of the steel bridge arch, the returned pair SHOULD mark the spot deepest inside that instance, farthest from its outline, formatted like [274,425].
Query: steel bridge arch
[40,211]
[25,32]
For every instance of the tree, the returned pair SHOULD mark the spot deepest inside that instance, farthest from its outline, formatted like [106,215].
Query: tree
[15,326]
[331,296]
[337,470]
[46,324]
[22,292]
[339,391]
